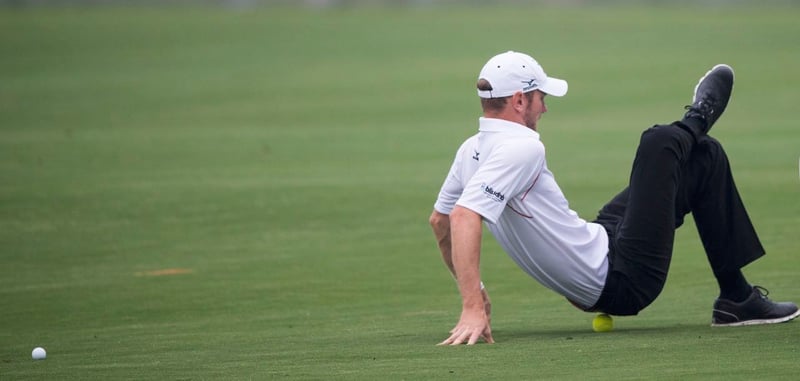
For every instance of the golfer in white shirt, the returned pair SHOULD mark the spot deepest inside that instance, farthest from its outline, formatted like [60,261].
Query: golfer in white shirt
[618,263]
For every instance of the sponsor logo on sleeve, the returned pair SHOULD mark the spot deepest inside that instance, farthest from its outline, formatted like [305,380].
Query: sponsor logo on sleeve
[493,194]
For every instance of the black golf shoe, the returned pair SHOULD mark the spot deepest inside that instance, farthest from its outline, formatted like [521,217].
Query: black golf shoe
[756,309]
[711,96]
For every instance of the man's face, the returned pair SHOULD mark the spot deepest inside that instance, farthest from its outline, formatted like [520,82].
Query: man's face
[534,109]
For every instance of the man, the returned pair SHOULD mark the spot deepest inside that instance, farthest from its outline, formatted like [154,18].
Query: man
[618,263]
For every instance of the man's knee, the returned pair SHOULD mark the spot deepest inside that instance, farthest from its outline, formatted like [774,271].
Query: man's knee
[713,148]
[666,136]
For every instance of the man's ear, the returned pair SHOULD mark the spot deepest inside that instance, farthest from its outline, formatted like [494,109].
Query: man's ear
[518,101]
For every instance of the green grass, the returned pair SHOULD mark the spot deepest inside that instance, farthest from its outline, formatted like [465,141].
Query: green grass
[289,159]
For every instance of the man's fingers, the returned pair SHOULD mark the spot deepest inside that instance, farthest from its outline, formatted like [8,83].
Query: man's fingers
[450,339]
[474,337]
[455,337]
[463,335]
[488,336]
[469,335]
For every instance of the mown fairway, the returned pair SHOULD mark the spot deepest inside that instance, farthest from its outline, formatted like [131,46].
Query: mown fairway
[192,194]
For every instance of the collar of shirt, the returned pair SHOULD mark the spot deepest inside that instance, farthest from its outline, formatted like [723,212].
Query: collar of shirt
[505,126]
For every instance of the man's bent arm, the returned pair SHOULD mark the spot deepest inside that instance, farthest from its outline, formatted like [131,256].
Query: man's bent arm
[440,223]
[466,231]
[466,245]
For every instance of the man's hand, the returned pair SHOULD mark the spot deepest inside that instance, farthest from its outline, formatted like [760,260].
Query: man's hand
[473,325]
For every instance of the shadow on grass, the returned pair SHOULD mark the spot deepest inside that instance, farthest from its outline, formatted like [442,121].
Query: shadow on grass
[511,335]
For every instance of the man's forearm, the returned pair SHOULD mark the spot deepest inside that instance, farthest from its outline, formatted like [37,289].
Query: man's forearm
[465,234]
[440,223]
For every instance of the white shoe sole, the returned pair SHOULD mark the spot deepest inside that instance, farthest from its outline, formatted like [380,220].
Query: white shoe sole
[758,321]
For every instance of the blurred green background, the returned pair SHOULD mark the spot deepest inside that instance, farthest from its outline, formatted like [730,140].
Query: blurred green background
[242,192]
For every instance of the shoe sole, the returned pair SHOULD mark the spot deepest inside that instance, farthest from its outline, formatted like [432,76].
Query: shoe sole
[758,321]
[703,78]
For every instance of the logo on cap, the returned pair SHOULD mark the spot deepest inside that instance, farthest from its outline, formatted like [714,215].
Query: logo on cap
[530,84]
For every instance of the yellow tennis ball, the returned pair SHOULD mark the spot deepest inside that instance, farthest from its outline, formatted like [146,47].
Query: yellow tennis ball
[603,323]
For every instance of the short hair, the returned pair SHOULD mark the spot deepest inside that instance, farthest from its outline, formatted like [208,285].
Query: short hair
[495,105]
[491,104]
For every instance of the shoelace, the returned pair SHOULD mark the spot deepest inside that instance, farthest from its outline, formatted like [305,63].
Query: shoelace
[762,292]
[704,107]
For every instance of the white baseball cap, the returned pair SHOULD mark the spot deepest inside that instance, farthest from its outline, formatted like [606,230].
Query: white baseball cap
[511,71]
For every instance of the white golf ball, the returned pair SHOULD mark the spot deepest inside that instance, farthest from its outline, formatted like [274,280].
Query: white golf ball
[38,353]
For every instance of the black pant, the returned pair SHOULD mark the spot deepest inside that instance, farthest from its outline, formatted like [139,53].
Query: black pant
[673,174]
